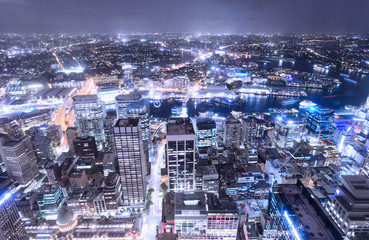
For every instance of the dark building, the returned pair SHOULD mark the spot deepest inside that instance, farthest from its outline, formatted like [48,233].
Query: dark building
[85,147]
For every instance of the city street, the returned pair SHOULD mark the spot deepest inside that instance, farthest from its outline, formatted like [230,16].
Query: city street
[153,217]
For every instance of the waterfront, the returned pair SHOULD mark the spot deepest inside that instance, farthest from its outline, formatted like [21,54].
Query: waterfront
[348,93]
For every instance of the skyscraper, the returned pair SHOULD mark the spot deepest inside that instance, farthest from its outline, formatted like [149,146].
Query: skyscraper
[131,160]
[205,133]
[19,159]
[134,106]
[11,225]
[180,154]
[89,115]
[288,129]
[319,122]
[71,133]
[232,132]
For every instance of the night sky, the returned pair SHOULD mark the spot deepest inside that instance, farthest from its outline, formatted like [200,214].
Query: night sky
[194,16]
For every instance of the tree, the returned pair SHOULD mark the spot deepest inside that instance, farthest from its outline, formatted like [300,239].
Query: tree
[164,187]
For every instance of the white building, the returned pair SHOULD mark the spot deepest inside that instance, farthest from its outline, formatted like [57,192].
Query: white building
[180,155]
[89,116]
[131,160]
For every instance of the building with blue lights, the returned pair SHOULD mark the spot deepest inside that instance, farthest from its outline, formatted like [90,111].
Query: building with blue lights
[11,225]
[295,215]
[319,122]
[288,130]
[50,199]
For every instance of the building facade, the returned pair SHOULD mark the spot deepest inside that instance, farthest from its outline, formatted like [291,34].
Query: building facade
[89,115]
[131,160]
[180,155]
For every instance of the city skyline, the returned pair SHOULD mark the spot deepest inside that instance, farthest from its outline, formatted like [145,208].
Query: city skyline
[206,16]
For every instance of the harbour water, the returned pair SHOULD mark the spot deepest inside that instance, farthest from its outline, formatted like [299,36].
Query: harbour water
[348,93]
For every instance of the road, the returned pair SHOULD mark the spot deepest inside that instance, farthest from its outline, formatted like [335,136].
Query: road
[153,217]
[66,119]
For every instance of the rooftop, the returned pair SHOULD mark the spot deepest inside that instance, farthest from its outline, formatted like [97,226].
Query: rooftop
[85,98]
[314,226]
[129,97]
[127,122]
[180,126]
[189,201]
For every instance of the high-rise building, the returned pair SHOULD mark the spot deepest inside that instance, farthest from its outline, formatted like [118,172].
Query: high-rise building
[190,216]
[350,206]
[112,191]
[254,130]
[319,122]
[131,160]
[11,225]
[50,199]
[196,215]
[109,122]
[19,159]
[180,155]
[205,133]
[71,134]
[287,131]
[43,148]
[223,218]
[134,106]
[232,133]
[294,214]
[11,127]
[89,115]
[85,147]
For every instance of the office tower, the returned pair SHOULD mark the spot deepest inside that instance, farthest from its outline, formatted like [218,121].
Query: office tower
[50,199]
[11,127]
[109,122]
[71,134]
[222,223]
[319,122]
[134,106]
[232,133]
[287,131]
[11,225]
[19,159]
[85,147]
[207,179]
[55,133]
[254,130]
[200,216]
[205,133]
[112,191]
[180,155]
[294,214]
[190,216]
[131,160]
[89,116]
[53,172]
[350,206]
[303,106]
[43,148]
